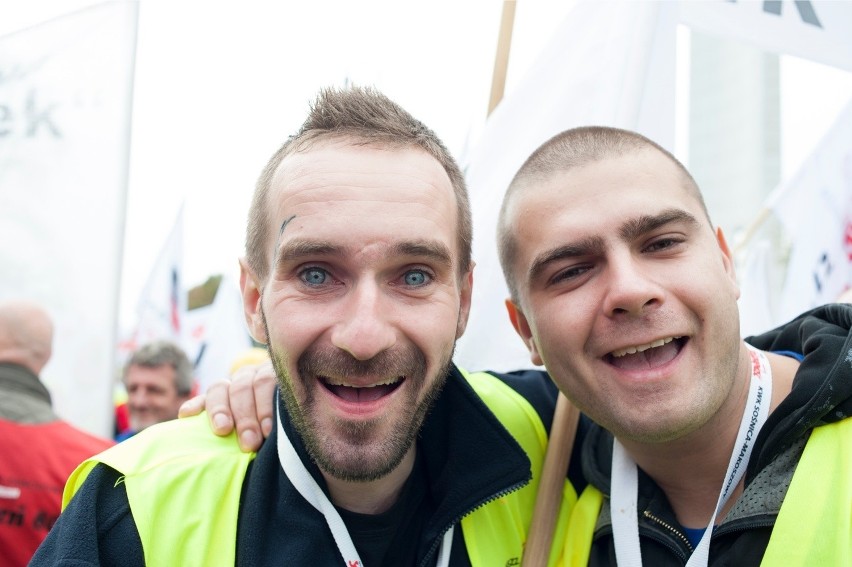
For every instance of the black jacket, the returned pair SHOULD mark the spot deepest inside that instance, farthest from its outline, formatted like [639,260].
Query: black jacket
[465,458]
[822,393]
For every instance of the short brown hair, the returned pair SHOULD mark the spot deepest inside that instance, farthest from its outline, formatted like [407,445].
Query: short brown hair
[370,118]
[164,353]
[570,149]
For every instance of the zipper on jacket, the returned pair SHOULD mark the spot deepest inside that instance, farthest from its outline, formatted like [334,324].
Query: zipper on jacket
[457,520]
[670,528]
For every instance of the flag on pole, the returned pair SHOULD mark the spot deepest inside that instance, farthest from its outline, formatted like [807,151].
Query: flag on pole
[162,303]
[65,100]
[603,66]
[815,207]
[817,30]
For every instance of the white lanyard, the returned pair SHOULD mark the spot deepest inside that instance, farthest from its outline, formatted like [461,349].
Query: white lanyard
[302,480]
[624,480]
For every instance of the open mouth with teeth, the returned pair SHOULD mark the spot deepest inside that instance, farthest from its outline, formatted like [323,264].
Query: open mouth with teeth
[361,394]
[647,356]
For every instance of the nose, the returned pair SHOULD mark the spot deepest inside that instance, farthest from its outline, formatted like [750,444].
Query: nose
[631,289]
[365,328]
[138,398]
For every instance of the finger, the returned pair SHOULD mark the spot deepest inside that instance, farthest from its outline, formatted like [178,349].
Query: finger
[219,408]
[264,394]
[244,410]
[192,406]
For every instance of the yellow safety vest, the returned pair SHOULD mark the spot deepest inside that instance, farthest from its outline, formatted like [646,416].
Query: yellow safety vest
[814,525]
[173,471]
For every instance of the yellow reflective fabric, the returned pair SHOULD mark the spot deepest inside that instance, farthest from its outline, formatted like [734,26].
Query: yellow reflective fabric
[584,517]
[814,526]
[172,472]
[181,526]
[495,534]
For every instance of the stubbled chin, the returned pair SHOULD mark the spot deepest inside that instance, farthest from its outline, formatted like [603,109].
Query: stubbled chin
[649,359]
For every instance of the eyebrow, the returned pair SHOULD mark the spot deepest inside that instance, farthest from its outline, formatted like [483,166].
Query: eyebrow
[435,251]
[303,248]
[594,245]
[644,224]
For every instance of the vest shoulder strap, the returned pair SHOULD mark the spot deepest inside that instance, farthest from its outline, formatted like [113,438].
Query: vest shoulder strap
[814,526]
[166,467]
[495,534]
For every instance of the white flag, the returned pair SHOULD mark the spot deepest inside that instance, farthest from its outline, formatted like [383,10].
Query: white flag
[65,92]
[815,207]
[811,29]
[610,63]
[162,303]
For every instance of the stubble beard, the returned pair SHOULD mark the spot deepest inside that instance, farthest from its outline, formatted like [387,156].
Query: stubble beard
[349,450]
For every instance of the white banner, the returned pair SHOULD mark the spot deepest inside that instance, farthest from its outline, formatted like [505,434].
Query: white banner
[162,303]
[608,64]
[811,29]
[65,97]
[815,207]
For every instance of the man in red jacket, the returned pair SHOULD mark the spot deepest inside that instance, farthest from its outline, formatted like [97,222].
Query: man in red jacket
[39,449]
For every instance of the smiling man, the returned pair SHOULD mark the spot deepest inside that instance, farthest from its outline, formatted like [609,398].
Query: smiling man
[158,379]
[709,450]
[358,278]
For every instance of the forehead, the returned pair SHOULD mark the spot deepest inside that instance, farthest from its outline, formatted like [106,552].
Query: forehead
[160,373]
[595,199]
[337,190]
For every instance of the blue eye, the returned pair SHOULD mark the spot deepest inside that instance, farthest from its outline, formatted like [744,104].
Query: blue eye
[314,276]
[416,278]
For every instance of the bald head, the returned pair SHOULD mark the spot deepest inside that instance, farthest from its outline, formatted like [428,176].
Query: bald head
[26,334]
[569,150]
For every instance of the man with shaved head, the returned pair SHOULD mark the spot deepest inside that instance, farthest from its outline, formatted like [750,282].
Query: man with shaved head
[708,450]
[38,449]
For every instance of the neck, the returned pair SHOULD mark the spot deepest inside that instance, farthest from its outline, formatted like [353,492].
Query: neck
[690,470]
[375,496]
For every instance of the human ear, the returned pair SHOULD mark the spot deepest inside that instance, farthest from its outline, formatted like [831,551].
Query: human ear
[466,292]
[727,259]
[251,290]
[522,327]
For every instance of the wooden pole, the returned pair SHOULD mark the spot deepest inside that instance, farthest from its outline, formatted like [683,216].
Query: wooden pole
[501,61]
[553,472]
[566,417]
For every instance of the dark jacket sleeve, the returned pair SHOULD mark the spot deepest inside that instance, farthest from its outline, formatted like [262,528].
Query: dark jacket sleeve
[96,528]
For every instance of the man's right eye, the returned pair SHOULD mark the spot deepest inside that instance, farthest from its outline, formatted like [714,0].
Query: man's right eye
[314,276]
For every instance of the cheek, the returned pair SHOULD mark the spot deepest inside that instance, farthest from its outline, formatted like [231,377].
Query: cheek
[293,328]
[433,331]
[561,323]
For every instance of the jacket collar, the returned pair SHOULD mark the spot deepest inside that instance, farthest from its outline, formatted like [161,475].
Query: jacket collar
[19,379]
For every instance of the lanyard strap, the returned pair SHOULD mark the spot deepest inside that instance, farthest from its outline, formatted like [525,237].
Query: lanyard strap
[302,480]
[624,479]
